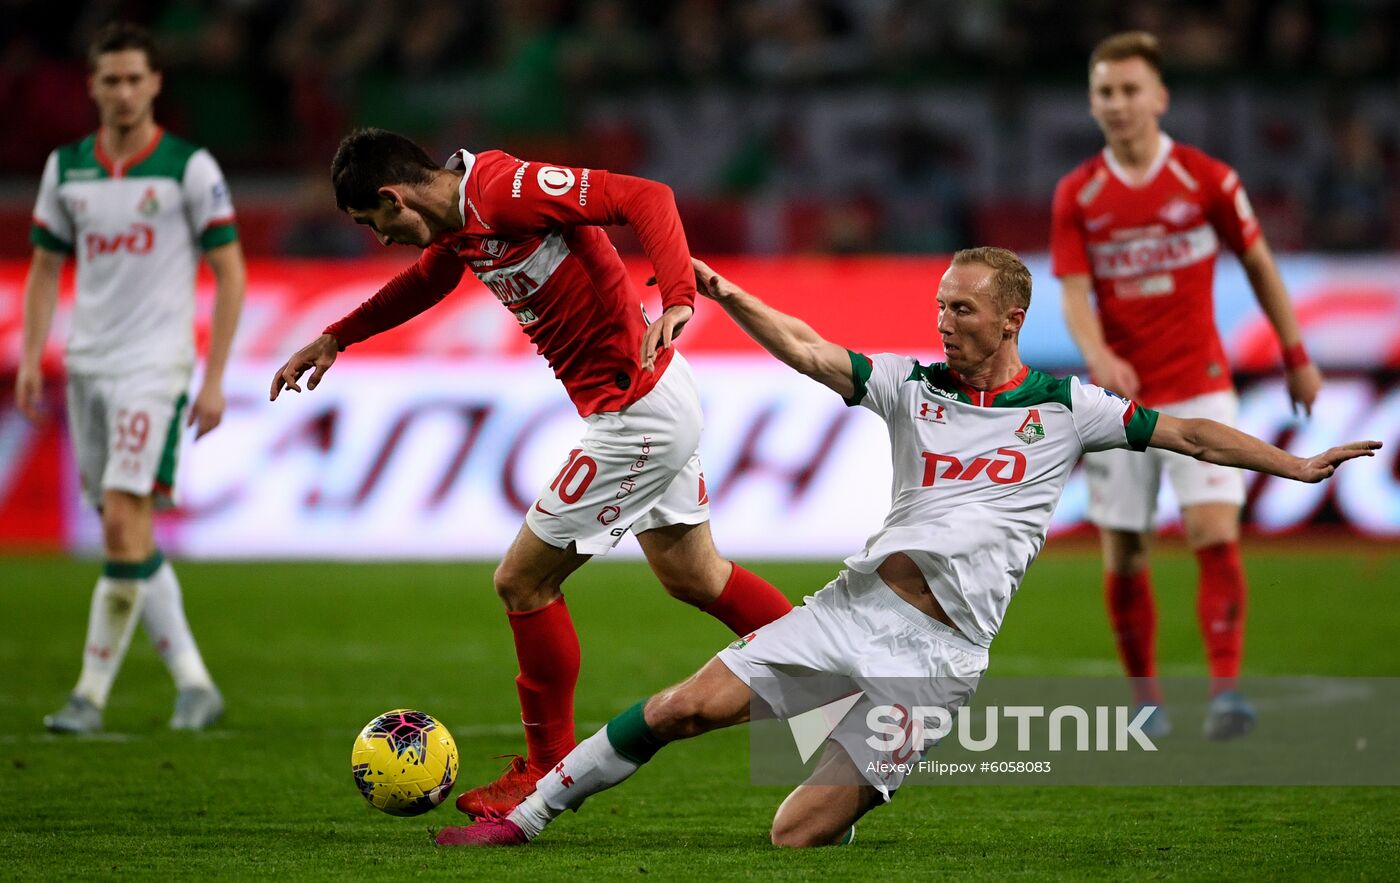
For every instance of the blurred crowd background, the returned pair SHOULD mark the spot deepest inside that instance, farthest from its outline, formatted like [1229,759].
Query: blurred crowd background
[783,125]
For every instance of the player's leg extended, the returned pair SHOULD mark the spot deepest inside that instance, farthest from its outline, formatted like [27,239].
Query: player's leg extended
[712,698]
[685,560]
[131,559]
[529,580]
[825,814]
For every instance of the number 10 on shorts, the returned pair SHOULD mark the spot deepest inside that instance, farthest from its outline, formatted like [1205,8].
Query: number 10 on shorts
[574,478]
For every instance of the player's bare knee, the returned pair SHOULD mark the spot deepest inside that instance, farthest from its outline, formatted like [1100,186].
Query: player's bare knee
[686,587]
[519,592]
[1205,536]
[1125,552]
[504,582]
[671,714]
[697,580]
[123,536]
[790,839]
[1128,565]
[679,712]
[114,539]
[796,833]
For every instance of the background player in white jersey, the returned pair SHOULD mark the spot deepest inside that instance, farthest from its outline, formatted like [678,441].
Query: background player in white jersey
[982,447]
[135,206]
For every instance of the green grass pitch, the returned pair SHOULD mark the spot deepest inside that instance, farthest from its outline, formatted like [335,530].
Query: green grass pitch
[306,653]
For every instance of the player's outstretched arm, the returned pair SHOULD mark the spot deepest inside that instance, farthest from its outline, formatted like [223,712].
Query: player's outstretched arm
[1217,443]
[40,301]
[791,340]
[412,291]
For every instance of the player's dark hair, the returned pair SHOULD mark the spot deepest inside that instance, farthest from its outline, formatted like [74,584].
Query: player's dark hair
[119,36]
[368,159]
[1011,279]
[1129,44]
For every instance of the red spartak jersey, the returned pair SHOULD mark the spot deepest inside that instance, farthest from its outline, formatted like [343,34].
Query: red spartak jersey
[532,236]
[1150,249]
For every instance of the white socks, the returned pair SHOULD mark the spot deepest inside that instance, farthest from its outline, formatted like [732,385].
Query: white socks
[594,765]
[111,620]
[605,759]
[163,616]
[124,591]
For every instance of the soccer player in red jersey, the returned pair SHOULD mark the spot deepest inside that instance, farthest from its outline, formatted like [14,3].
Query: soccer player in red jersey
[1140,225]
[531,232]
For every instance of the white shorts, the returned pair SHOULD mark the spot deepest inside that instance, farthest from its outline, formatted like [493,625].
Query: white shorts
[859,630]
[635,469]
[1123,484]
[126,432]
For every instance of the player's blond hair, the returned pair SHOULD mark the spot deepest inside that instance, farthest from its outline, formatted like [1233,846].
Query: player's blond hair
[1011,280]
[1129,44]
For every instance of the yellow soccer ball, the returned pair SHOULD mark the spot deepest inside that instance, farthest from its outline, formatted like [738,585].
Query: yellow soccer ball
[404,762]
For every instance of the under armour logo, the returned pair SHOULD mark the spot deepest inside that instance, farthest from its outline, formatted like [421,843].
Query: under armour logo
[935,417]
[565,780]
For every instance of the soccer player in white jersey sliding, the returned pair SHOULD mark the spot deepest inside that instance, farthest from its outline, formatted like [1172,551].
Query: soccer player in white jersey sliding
[982,447]
[136,207]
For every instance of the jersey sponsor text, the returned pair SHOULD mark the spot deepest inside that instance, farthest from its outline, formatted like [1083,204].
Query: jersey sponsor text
[1009,470]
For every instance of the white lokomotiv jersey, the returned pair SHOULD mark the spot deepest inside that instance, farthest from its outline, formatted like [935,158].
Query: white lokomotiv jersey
[977,475]
[137,232]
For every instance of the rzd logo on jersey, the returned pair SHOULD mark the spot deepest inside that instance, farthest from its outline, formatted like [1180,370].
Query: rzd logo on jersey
[1032,430]
[140,239]
[1001,471]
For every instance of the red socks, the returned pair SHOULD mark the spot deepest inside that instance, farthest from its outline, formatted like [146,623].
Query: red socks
[1220,610]
[1134,618]
[747,603]
[546,646]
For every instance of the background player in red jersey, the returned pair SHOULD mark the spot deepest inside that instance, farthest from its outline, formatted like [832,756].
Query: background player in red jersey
[530,232]
[1140,224]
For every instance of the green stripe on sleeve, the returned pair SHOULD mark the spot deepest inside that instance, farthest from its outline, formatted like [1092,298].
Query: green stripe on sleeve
[217,235]
[860,375]
[40,236]
[1140,427]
